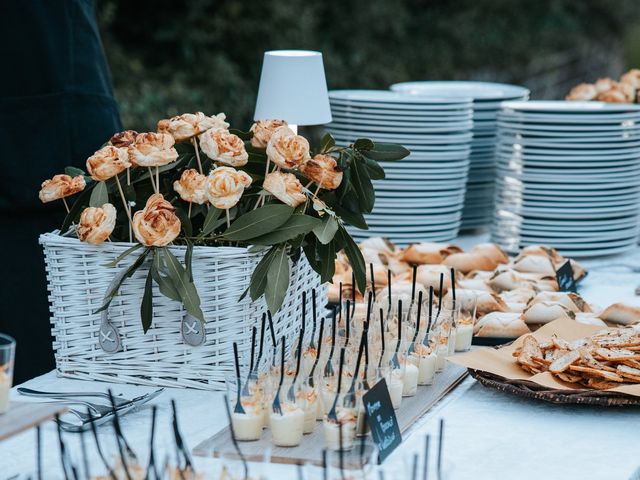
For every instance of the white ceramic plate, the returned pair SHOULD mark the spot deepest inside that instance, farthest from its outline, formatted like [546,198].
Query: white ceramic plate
[561,106]
[477,90]
[420,129]
[387,96]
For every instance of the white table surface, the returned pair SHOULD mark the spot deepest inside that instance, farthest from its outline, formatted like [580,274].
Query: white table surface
[488,434]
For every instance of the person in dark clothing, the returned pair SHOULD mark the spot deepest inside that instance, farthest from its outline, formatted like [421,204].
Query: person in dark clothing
[56,109]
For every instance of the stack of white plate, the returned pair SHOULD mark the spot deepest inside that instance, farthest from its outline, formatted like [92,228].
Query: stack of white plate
[422,196]
[569,176]
[486,104]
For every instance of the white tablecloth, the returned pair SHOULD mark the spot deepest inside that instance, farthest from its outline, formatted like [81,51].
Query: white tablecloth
[488,435]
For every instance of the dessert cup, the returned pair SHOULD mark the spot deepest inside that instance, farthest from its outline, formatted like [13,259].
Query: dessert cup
[340,433]
[247,424]
[7,357]
[287,427]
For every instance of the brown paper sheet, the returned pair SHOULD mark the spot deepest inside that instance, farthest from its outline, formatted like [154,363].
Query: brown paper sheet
[501,362]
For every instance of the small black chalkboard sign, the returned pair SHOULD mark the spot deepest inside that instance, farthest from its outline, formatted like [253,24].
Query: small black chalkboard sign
[564,276]
[382,419]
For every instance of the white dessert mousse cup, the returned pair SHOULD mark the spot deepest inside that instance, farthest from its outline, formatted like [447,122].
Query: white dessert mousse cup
[248,421]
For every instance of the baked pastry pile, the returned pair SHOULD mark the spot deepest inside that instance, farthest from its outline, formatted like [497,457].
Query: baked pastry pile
[607,359]
[514,295]
[609,90]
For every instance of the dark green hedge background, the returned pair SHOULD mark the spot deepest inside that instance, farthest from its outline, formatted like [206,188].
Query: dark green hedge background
[169,57]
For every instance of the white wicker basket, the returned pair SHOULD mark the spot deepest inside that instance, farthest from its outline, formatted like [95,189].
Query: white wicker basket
[78,279]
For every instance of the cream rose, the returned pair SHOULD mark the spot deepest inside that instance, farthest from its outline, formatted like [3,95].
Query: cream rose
[632,77]
[97,223]
[152,150]
[60,186]
[156,225]
[107,162]
[224,147]
[286,149]
[322,169]
[187,125]
[263,130]
[191,186]
[582,92]
[225,186]
[285,187]
[123,139]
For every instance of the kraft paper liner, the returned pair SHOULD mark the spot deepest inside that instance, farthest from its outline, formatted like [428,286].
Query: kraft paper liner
[501,361]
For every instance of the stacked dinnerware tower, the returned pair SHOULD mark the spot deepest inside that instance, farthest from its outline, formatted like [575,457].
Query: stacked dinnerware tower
[568,176]
[486,104]
[422,196]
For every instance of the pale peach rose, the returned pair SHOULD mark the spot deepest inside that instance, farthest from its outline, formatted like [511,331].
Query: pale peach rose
[107,162]
[286,149]
[618,93]
[187,125]
[123,139]
[225,186]
[604,84]
[322,169]
[97,223]
[583,92]
[632,77]
[152,150]
[60,186]
[263,130]
[156,225]
[285,187]
[191,186]
[224,147]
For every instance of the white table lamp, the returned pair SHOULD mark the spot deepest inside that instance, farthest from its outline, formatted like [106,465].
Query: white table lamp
[293,87]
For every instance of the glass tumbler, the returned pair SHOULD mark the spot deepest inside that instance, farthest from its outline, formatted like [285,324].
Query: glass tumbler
[7,359]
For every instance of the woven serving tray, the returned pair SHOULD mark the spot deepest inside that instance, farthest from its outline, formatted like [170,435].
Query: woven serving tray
[524,388]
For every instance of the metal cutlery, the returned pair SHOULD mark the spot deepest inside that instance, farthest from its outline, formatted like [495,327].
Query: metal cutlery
[61,395]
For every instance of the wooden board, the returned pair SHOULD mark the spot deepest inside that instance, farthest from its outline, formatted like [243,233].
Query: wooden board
[24,415]
[310,450]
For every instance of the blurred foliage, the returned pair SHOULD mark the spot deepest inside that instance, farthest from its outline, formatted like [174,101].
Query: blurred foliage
[168,57]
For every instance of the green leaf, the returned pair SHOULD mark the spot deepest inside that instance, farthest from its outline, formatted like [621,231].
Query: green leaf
[363,144]
[74,171]
[146,307]
[328,263]
[188,258]
[185,221]
[326,230]
[243,135]
[258,222]
[387,152]
[297,224]
[99,195]
[363,186]
[209,224]
[352,218]
[376,172]
[355,259]
[187,290]
[123,255]
[310,250]
[128,272]
[277,280]
[166,286]
[327,142]
[129,193]
[259,276]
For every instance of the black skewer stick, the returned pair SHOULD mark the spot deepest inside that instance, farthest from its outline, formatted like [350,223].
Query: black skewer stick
[325,470]
[365,382]
[245,388]
[347,325]
[440,443]
[85,459]
[94,431]
[418,314]
[425,340]
[332,412]
[245,465]
[318,352]
[414,467]
[263,325]
[353,291]
[351,393]
[64,459]
[152,455]
[328,368]
[425,463]
[440,294]
[389,288]
[39,452]
[395,360]
[453,287]
[238,408]
[340,304]
[180,444]
[314,313]
[291,396]
[373,280]
[274,342]
[381,338]
[124,449]
[276,400]
[413,284]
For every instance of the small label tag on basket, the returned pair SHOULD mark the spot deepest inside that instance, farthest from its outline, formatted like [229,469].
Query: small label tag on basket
[109,338]
[564,276]
[382,419]
[192,331]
